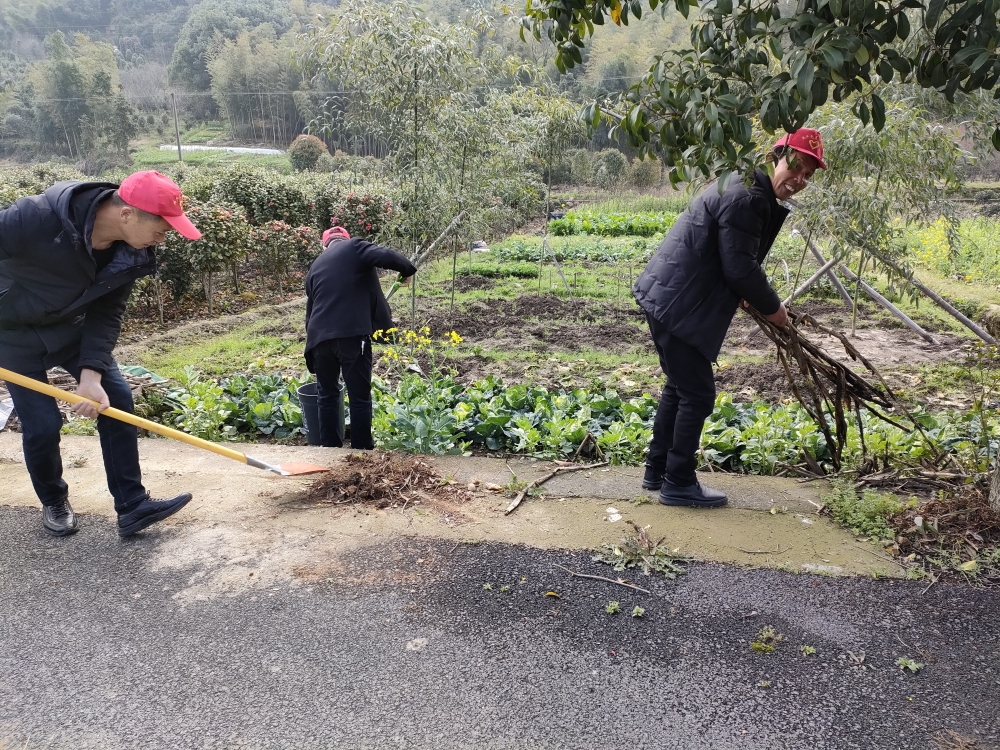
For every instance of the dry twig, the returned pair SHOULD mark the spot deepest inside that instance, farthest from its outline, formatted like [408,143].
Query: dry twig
[539,482]
[602,578]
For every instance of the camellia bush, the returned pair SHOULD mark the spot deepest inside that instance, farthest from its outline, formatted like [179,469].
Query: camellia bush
[362,214]
[19,182]
[225,240]
[278,246]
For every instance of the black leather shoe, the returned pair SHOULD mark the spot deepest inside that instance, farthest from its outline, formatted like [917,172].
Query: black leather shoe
[694,495]
[148,512]
[652,479]
[59,520]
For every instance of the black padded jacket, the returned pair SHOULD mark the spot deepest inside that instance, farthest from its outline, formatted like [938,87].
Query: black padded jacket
[343,294]
[50,282]
[710,260]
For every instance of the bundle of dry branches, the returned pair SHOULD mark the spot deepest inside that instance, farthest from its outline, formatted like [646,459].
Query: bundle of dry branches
[827,388]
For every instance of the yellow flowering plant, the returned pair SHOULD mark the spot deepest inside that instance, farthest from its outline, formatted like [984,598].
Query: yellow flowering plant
[404,348]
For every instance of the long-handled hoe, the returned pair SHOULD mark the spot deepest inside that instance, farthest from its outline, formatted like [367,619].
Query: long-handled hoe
[284,470]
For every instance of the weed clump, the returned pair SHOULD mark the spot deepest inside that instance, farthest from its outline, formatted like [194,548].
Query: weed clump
[867,514]
[641,551]
[766,641]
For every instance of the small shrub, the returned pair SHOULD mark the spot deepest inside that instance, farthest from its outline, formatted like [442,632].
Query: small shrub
[646,173]
[325,163]
[278,246]
[305,151]
[610,168]
[362,214]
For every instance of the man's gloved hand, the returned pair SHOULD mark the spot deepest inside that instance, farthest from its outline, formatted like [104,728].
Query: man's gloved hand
[90,387]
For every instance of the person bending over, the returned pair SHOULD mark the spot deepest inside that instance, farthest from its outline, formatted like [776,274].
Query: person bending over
[690,291]
[344,307]
[68,260]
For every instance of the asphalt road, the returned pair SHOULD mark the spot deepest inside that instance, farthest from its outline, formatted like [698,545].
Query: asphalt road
[401,646]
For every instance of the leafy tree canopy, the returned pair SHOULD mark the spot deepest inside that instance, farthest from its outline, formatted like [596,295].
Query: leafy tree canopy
[220,19]
[766,59]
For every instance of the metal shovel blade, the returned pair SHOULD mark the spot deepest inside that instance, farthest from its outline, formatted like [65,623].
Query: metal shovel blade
[295,468]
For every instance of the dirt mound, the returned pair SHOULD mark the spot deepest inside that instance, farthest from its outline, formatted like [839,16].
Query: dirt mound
[766,380]
[383,480]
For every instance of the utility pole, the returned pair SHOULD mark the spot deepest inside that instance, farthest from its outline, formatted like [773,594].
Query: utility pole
[177,130]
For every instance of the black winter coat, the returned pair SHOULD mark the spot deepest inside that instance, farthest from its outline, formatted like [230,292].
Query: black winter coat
[343,294]
[49,280]
[710,260]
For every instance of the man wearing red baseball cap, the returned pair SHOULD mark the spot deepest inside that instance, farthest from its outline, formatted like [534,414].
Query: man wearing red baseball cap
[690,291]
[68,260]
[344,307]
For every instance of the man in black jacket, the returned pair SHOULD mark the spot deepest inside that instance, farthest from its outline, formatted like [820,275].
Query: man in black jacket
[690,290]
[68,261]
[344,307]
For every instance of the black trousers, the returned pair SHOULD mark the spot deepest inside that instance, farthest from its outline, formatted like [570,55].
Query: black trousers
[353,357]
[686,402]
[41,423]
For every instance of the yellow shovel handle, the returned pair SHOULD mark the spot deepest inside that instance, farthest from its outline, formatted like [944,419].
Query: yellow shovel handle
[122,416]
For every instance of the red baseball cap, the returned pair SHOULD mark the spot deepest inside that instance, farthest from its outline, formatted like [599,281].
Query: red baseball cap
[157,194]
[805,141]
[332,232]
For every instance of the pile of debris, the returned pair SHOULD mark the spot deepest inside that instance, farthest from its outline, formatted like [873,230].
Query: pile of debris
[383,480]
[953,534]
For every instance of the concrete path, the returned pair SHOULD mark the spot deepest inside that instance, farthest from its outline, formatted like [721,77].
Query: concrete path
[252,508]
[253,621]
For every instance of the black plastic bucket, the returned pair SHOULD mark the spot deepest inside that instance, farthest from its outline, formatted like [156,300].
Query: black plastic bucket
[309,401]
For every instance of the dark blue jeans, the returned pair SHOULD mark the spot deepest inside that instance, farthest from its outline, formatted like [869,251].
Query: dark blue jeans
[686,402]
[353,357]
[41,423]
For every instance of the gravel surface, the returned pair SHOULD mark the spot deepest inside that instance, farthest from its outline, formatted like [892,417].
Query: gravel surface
[401,646]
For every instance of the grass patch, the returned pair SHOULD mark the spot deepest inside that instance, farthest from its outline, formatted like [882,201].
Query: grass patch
[641,203]
[241,350]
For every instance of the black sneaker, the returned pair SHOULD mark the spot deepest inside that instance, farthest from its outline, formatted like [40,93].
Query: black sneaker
[652,479]
[694,495]
[59,519]
[148,512]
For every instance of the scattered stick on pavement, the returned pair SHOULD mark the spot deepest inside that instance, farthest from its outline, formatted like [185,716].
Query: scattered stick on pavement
[602,578]
[539,482]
